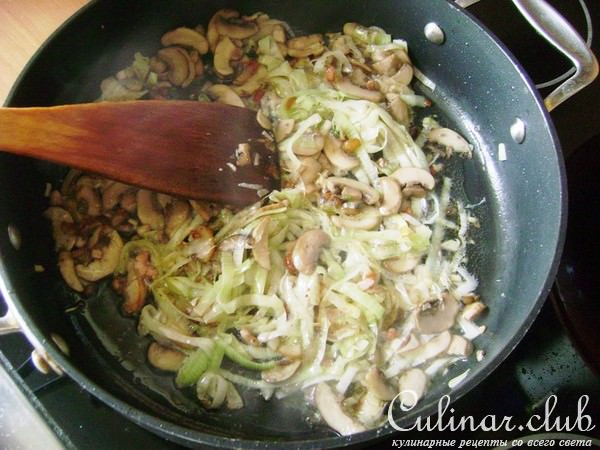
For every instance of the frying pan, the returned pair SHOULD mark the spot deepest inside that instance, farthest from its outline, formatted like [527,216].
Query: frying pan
[516,178]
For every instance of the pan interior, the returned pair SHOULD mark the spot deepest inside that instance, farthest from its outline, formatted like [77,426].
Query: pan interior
[519,200]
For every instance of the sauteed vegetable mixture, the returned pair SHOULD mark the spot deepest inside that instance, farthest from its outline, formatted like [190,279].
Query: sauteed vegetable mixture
[349,284]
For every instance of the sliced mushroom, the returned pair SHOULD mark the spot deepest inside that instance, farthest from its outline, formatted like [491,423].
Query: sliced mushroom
[459,346]
[408,176]
[111,195]
[309,171]
[304,46]
[432,348]
[402,264]
[404,75]
[225,52]
[398,108]
[88,200]
[331,411]
[309,144]
[366,218]
[370,195]
[387,66]
[60,218]
[66,266]
[412,385]
[280,372]
[148,210]
[283,128]
[473,310]
[377,385]
[350,194]
[225,94]
[352,90]
[165,358]
[212,34]
[107,264]
[438,317]
[450,140]
[235,29]
[307,250]
[134,294]
[260,248]
[337,156]
[177,213]
[392,196]
[370,409]
[186,37]
[181,67]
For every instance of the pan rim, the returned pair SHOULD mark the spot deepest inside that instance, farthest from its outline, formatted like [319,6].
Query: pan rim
[179,434]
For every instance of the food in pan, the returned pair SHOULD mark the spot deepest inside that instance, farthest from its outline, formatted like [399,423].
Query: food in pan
[349,284]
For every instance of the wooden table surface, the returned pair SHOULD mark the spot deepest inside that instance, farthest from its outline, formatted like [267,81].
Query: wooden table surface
[25,25]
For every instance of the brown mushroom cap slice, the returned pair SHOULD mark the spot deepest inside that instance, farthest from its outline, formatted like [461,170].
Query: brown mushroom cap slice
[337,156]
[148,210]
[59,216]
[66,266]
[307,250]
[165,358]
[212,34]
[408,176]
[224,94]
[449,139]
[439,317]
[235,30]
[185,37]
[352,90]
[225,51]
[178,63]
[106,265]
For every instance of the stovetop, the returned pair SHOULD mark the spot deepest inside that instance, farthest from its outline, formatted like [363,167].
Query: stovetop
[545,363]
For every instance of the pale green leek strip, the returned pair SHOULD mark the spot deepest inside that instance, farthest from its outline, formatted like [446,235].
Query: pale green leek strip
[245,362]
[225,282]
[245,381]
[367,302]
[217,357]
[194,365]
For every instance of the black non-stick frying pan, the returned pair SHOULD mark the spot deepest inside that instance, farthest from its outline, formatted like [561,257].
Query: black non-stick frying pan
[516,177]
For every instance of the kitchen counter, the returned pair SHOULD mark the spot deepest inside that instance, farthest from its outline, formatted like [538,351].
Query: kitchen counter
[25,26]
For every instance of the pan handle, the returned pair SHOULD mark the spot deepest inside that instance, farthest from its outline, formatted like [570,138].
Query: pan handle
[561,35]
[558,32]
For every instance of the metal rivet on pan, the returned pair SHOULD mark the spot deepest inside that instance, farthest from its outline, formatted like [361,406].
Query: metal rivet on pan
[44,363]
[60,343]
[40,362]
[517,131]
[434,33]
[14,236]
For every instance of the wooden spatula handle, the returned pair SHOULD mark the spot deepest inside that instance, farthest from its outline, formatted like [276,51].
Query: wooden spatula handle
[169,146]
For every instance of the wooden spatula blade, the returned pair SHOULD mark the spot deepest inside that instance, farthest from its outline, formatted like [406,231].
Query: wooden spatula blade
[185,148]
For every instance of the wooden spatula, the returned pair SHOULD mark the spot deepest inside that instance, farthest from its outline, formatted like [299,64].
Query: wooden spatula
[186,148]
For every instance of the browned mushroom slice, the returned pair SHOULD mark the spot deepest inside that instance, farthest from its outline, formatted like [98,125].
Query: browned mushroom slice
[185,37]
[180,66]
[439,316]
[307,250]
[165,358]
[225,51]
